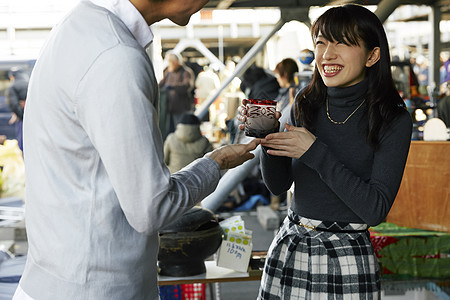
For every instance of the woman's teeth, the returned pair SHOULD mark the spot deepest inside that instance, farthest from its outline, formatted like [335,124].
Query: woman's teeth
[332,69]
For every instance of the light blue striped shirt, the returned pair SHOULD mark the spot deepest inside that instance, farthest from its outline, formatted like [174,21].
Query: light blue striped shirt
[97,189]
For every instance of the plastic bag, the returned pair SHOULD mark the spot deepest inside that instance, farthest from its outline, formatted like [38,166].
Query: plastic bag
[13,170]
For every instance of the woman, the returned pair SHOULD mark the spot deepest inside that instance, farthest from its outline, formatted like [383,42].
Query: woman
[345,154]
[284,73]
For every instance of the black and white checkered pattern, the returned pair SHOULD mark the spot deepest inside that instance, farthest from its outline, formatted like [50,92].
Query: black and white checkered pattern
[304,263]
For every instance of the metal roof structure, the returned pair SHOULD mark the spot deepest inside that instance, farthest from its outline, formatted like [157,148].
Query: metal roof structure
[298,10]
[223,4]
[386,6]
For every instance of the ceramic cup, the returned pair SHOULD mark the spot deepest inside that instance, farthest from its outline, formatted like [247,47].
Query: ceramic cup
[260,117]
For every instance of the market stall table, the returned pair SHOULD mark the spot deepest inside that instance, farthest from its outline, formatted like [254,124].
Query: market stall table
[173,287]
[213,274]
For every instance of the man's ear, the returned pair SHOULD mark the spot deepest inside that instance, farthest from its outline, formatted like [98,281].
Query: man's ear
[374,56]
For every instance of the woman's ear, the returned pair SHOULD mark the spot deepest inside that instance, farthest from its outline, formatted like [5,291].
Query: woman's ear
[374,56]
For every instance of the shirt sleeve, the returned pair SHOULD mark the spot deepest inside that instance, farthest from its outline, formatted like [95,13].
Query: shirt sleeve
[116,105]
[387,171]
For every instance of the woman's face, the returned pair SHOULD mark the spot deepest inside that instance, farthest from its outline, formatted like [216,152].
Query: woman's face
[342,65]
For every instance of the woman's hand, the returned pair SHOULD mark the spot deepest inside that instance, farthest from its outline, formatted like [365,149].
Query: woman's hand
[242,110]
[292,143]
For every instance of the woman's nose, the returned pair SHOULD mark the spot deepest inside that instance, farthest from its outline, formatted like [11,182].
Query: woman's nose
[330,52]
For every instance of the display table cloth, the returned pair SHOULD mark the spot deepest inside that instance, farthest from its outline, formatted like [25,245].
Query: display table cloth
[406,253]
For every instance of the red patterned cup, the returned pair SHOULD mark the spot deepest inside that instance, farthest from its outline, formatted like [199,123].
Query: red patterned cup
[260,117]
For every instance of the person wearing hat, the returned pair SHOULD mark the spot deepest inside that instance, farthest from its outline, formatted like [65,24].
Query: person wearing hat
[186,144]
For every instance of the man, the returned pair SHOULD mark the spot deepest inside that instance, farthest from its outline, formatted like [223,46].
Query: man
[16,96]
[98,190]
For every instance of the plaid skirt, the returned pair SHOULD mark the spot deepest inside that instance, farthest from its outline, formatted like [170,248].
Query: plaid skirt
[311,259]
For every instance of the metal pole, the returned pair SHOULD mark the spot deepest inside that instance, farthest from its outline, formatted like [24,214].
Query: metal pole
[434,46]
[220,29]
[240,68]
[385,8]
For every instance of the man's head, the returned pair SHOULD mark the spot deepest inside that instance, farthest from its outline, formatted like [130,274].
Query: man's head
[178,11]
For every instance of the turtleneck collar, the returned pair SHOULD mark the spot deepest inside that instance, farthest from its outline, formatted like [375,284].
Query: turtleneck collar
[348,96]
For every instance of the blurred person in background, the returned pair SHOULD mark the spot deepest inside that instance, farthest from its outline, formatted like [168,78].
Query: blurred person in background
[443,110]
[186,144]
[178,85]
[258,84]
[95,205]
[16,96]
[284,72]
[206,83]
[443,105]
[422,74]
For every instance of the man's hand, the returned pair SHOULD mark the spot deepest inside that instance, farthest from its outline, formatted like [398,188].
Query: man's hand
[231,156]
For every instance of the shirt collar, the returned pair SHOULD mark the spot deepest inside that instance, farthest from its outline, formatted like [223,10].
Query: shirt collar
[132,18]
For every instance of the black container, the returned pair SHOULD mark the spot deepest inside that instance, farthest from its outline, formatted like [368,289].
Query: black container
[186,243]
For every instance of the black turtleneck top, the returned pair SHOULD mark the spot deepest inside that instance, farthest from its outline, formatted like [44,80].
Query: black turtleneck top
[340,177]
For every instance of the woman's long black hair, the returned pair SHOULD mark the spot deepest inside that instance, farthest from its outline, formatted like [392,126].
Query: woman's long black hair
[353,24]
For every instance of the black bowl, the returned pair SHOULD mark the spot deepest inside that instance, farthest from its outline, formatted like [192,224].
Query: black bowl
[185,244]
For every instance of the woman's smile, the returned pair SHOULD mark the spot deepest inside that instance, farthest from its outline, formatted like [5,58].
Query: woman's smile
[340,64]
[330,70]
